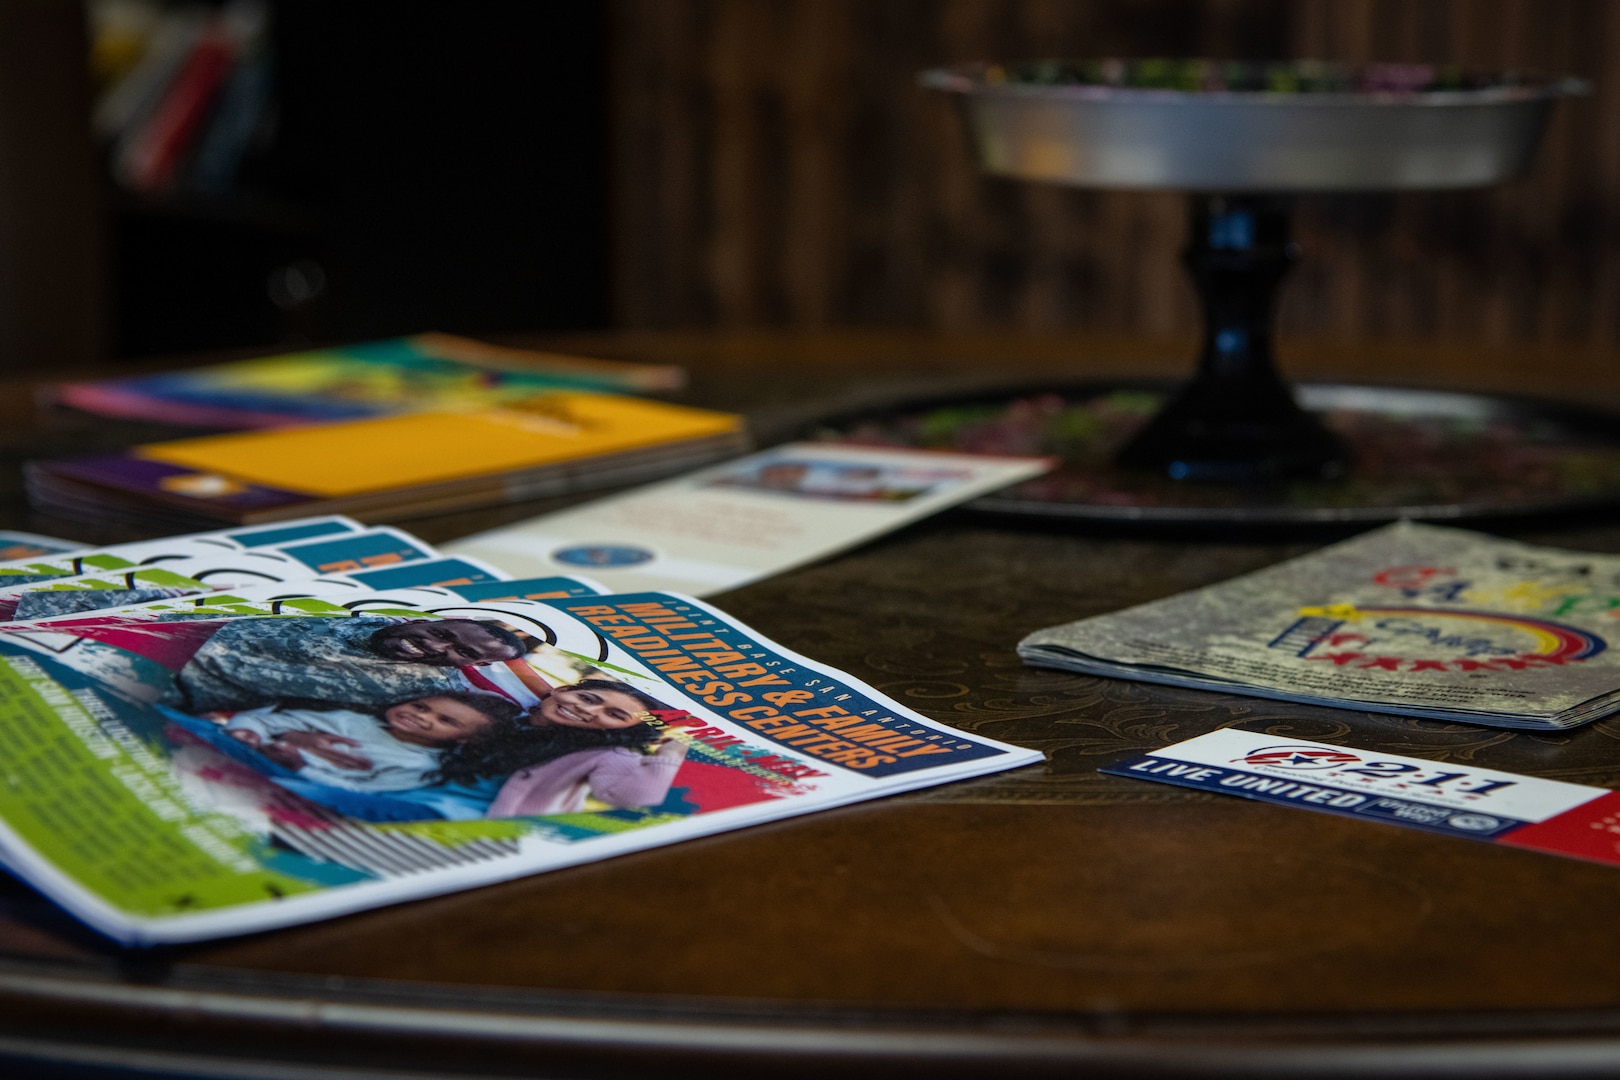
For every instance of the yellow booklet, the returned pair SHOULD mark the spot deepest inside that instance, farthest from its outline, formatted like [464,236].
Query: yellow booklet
[365,456]
[396,466]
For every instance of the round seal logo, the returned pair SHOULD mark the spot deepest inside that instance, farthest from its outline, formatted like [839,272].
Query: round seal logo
[602,555]
[1299,757]
[1473,822]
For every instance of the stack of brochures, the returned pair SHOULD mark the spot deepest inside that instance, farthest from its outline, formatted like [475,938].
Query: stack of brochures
[226,732]
[1410,619]
[392,467]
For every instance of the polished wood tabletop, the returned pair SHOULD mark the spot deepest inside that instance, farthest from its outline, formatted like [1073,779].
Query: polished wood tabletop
[1046,920]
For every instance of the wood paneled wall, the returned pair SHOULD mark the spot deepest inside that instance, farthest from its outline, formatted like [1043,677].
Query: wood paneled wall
[776,165]
[52,292]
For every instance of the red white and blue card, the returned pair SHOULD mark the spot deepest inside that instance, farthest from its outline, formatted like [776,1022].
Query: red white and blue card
[1458,800]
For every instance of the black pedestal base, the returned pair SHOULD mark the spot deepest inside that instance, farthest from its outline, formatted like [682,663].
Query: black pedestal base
[1236,422]
[1235,431]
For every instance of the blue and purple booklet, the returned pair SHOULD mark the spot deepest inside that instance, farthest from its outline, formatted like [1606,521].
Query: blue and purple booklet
[351,382]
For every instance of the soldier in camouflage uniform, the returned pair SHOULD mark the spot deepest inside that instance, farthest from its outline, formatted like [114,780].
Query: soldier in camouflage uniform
[360,662]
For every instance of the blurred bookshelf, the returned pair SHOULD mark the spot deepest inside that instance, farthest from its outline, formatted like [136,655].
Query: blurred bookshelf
[294,172]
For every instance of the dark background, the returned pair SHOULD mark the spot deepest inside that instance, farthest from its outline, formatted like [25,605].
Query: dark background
[493,166]
[804,180]
[439,166]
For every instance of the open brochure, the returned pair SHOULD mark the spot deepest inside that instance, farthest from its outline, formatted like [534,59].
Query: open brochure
[748,519]
[1412,619]
[214,765]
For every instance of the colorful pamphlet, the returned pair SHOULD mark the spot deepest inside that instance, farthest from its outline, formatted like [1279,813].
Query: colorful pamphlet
[1412,619]
[396,466]
[353,382]
[1445,797]
[25,545]
[186,565]
[217,770]
[321,595]
[332,550]
[258,570]
[180,577]
[731,524]
[83,560]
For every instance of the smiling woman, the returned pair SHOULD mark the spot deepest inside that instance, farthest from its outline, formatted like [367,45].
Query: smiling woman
[600,704]
[589,740]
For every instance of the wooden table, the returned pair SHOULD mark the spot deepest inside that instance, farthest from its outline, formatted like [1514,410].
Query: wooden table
[1046,920]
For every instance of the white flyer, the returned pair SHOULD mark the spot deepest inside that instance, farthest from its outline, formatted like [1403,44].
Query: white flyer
[730,524]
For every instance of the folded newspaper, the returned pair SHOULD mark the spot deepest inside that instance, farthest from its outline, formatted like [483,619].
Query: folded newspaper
[1413,619]
[211,764]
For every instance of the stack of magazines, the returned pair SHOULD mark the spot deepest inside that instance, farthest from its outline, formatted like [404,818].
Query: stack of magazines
[1412,619]
[225,732]
[418,373]
[382,430]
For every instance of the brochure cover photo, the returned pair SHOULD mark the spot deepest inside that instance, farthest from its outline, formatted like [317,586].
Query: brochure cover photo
[186,771]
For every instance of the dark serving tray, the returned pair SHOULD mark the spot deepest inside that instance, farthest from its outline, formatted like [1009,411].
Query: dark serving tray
[1422,454]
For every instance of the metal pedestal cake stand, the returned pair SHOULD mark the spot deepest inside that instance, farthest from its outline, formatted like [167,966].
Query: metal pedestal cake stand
[1236,443]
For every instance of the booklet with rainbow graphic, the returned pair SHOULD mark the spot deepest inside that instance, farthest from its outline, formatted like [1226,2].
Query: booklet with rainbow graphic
[1413,619]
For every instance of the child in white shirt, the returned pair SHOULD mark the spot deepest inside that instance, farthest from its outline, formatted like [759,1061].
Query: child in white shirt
[399,748]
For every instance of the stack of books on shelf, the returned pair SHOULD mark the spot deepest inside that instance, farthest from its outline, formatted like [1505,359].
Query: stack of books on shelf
[185,91]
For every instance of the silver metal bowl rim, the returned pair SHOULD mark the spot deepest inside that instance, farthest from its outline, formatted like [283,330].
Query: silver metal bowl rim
[969,79]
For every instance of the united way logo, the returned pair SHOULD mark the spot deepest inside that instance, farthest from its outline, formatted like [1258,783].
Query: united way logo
[602,555]
[1299,757]
[1473,822]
